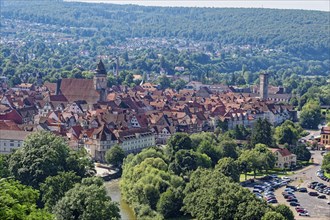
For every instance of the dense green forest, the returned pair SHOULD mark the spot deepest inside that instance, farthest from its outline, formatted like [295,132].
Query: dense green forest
[300,32]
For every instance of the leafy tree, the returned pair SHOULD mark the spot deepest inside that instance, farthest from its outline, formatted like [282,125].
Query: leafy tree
[179,84]
[301,151]
[214,152]
[222,125]
[179,141]
[262,133]
[4,172]
[240,132]
[19,201]
[273,216]
[326,162]
[186,161]
[266,157]
[144,181]
[228,167]
[228,149]
[170,203]
[287,133]
[285,211]
[87,200]
[115,155]
[310,116]
[43,154]
[164,82]
[250,160]
[211,195]
[198,138]
[244,163]
[54,188]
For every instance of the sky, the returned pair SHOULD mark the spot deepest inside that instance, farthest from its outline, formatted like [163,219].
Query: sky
[320,5]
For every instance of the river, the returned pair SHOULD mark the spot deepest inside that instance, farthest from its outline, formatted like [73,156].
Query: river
[113,191]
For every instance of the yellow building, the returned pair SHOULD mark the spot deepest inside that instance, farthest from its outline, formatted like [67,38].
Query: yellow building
[325,136]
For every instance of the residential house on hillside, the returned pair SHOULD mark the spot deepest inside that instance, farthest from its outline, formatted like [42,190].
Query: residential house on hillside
[284,158]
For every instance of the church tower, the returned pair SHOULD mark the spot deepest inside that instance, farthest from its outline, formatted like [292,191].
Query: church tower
[263,86]
[100,81]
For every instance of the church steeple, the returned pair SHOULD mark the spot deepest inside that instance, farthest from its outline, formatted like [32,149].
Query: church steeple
[100,69]
[100,80]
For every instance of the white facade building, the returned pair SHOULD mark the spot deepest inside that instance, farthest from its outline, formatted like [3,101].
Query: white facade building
[11,140]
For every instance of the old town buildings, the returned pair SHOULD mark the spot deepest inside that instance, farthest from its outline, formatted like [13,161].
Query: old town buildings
[92,116]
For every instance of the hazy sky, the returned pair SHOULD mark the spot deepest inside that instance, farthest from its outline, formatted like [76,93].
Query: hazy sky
[322,5]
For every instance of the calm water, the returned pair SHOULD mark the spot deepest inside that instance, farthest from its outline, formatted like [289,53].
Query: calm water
[113,190]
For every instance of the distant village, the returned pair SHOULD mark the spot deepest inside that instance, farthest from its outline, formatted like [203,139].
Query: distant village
[90,115]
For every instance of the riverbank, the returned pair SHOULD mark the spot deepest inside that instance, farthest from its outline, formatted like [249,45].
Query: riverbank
[113,191]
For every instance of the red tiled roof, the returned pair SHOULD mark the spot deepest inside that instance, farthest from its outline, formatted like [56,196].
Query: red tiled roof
[12,115]
[50,86]
[57,98]
[79,89]
[8,125]
[325,130]
[283,151]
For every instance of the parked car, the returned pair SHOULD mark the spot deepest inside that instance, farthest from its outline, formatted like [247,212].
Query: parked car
[259,187]
[257,191]
[294,204]
[322,197]
[272,201]
[300,209]
[292,187]
[292,200]
[328,202]
[270,198]
[304,214]
[269,194]
[313,194]
[289,196]
[286,178]
[302,189]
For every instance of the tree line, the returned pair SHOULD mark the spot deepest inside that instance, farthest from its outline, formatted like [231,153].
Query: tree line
[301,32]
[198,174]
[44,179]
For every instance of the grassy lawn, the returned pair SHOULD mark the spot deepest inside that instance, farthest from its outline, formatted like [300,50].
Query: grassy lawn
[327,174]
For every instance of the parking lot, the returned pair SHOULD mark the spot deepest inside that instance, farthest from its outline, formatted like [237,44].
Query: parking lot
[316,208]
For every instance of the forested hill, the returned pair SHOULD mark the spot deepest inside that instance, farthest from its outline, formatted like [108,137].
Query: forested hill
[304,33]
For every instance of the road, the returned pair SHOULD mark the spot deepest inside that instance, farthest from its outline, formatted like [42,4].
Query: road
[312,135]
[317,208]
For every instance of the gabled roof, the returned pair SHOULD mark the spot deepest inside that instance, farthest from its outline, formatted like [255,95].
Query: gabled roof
[79,89]
[57,98]
[325,130]
[283,151]
[13,135]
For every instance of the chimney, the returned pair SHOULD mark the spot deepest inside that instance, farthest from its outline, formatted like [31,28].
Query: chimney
[58,87]
[263,86]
